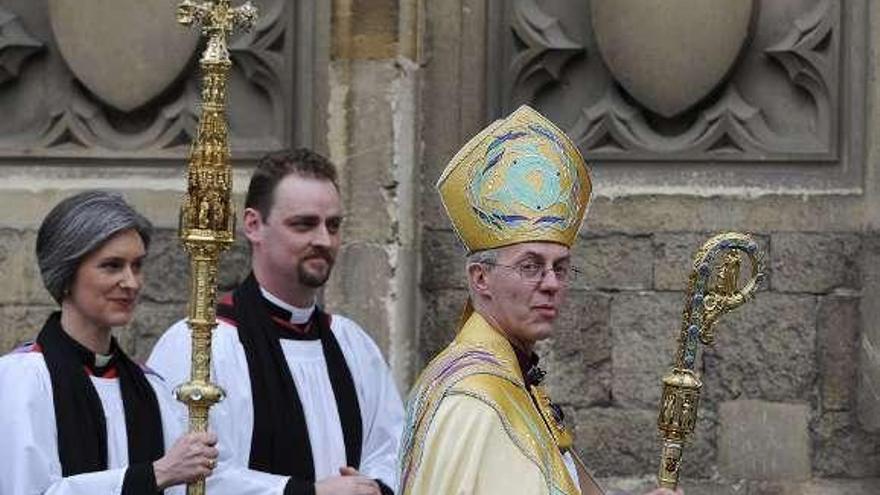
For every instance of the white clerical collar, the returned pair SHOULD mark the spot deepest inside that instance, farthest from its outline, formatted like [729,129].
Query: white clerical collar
[298,316]
[102,360]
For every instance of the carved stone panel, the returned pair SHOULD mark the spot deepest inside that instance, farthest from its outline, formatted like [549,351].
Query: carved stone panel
[96,82]
[752,93]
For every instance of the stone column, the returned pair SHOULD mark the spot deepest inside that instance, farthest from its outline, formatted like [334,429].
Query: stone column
[869,357]
[371,135]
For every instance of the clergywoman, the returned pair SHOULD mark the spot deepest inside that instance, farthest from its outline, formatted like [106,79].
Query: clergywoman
[77,415]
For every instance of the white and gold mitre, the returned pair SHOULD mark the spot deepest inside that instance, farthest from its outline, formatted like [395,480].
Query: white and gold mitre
[520,179]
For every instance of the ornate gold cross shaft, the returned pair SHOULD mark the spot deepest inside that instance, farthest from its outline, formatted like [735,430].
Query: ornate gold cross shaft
[207,219]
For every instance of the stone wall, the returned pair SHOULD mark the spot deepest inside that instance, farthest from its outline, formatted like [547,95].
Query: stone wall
[391,89]
[780,385]
[790,401]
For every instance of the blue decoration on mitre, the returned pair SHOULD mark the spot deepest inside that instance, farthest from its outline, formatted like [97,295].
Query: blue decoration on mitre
[520,179]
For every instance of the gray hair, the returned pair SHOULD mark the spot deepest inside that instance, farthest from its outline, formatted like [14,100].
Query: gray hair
[76,227]
[487,257]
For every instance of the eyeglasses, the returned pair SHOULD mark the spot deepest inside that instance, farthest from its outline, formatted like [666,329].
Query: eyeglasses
[534,273]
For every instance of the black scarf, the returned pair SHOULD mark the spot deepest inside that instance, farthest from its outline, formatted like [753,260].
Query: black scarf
[280,442]
[79,415]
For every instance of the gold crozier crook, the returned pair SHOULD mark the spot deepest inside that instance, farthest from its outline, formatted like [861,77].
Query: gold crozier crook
[704,304]
[207,219]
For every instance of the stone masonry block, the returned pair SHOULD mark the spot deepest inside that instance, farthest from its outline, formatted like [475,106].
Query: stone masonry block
[150,322]
[20,324]
[868,486]
[359,289]
[167,267]
[625,442]
[235,264]
[834,486]
[644,329]
[617,442]
[616,262]
[674,254]
[443,259]
[869,348]
[368,184]
[577,358]
[816,263]
[19,270]
[761,440]
[765,349]
[837,350]
[453,94]
[442,310]
[166,275]
[842,449]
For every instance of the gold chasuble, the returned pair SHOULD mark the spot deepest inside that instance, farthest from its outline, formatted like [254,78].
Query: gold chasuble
[473,428]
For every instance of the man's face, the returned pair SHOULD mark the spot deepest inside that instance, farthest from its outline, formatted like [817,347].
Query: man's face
[526,310]
[296,245]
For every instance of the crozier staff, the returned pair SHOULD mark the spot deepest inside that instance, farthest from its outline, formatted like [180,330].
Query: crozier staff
[77,415]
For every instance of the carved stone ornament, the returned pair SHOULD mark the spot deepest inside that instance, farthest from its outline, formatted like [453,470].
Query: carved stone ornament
[126,52]
[16,45]
[684,85]
[670,54]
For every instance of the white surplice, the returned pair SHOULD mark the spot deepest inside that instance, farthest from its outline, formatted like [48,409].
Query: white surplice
[233,418]
[29,462]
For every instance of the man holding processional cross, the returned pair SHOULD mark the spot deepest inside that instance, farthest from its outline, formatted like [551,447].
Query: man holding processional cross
[310,405]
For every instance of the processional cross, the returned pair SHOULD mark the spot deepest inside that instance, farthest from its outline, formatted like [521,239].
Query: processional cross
[207,219]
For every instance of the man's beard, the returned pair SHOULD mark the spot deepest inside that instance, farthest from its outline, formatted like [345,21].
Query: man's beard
[312,279]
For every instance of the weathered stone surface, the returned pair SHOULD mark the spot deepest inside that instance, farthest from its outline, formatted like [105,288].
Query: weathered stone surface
[869,348]
[365,29]
[615,262]
[625,442]
[123,66]
[235,264]
[764,441]
[19,270]
[692,208]
[443,259]
[869,486]
[19,324]
[644,328]
[674,254]
[842,449]
[837,344]
[150,322]
[166,276]
[440,315]
[453,94]
[359,288]
[577,358]
[816,263]
[717,486]
[764,349]
[367,180]
[617,442]
[643,45]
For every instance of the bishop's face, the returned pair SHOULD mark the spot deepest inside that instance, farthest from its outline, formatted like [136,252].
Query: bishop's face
[295,247]
[524,292]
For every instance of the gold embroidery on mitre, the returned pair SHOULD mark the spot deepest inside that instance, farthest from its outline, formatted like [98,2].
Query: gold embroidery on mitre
[520,179]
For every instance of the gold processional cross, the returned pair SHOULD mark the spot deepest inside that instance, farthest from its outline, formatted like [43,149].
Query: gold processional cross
[207,218]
